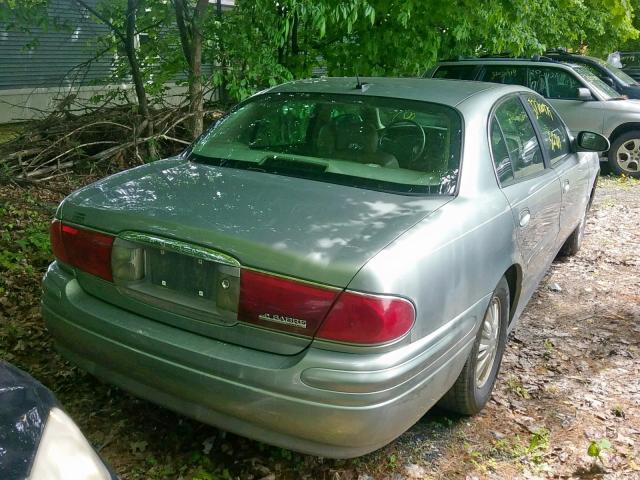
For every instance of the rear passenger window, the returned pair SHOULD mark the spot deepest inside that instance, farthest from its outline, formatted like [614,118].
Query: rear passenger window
[509,74]
[459,72]
[520,139]
[500,154]
[554,134]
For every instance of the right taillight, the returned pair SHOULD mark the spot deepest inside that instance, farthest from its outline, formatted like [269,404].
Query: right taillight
[326,313]
[367,319]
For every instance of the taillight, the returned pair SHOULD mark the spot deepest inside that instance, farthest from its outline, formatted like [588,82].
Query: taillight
[283,304]
[367,319]
[84,249]
[328,314]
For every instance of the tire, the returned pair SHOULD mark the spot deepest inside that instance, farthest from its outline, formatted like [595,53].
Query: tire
[574,242]
[471,392]
[624,154]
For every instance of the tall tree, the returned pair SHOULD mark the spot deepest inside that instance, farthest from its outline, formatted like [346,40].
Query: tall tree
[126,34]
[190,21]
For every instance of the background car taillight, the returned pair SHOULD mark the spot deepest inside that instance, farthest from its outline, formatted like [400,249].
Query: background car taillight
[327,314]
[84,249]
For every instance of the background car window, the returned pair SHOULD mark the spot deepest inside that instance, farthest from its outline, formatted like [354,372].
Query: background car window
[596,71]
[520,138]
[459,72]
[553,83]
[555,139]
[500,154]
[604,90]
[509,74]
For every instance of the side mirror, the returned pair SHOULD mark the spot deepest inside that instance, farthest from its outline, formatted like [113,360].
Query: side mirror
[584,94]
[592,142]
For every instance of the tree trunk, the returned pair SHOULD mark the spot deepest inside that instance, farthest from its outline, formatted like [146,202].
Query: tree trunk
[130,48]
[191,40]
[136,75]
[196,93]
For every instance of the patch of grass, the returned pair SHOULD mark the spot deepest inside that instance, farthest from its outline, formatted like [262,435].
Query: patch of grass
[8,131]
[514,385]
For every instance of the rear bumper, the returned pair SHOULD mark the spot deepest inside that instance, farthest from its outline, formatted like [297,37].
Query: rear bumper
[320,402]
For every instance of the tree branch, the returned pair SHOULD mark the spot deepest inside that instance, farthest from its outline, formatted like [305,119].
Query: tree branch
[104,20]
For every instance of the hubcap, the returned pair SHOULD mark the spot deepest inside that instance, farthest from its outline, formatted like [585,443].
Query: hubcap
[488,347]
[628,156]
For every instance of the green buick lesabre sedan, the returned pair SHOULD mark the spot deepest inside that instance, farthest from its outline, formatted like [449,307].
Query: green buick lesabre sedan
[328,261]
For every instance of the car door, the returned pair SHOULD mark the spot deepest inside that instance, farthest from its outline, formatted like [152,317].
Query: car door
[571,167]
[532,189]
[560,88]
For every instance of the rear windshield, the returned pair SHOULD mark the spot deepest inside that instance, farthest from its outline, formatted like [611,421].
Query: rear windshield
[459,72]
[387,144]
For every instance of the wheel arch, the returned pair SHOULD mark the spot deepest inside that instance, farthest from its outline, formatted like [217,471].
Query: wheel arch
[514,279]
[622,129]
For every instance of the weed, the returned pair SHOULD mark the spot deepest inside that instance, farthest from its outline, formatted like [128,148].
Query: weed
[597,447]
[514,385]
[538,445]
[618,411]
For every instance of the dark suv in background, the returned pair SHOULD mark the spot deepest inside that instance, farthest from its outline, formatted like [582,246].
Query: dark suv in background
[612,76]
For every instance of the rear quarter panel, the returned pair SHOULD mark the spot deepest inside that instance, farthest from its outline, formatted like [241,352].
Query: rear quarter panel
[454,258]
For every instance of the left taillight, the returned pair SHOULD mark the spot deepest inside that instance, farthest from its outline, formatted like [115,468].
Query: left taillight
[86,250]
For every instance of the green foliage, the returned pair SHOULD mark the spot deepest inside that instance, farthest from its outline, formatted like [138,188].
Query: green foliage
[24,241]
[596,447]
[538,445]
[260,43]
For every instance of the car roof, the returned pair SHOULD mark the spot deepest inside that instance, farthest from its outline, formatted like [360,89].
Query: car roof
[502,60]
[575,57]
[443,91]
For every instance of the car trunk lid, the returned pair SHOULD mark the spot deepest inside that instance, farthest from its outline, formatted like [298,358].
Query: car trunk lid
[198,225]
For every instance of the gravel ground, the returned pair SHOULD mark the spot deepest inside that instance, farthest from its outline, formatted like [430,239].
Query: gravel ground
[569,384]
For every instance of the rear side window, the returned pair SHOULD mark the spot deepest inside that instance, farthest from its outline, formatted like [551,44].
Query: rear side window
[509,74]
[458,72]
[500,154]
[519,139]
[553,83]
[554,134]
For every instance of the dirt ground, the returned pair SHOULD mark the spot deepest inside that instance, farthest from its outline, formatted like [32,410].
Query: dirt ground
[567,403]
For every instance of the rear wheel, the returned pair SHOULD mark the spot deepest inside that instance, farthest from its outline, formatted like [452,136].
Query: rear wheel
[624,154]
[474,385]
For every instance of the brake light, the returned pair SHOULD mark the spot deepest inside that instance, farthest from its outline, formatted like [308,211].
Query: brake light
[283,304]
[328,314]
[84,249]
[367,319]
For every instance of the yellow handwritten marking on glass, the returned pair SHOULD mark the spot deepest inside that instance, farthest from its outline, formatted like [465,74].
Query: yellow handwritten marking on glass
[408,115]
[540,109]
[555,142]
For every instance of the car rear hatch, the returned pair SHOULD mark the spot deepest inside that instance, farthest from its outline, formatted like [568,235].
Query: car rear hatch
[190,237]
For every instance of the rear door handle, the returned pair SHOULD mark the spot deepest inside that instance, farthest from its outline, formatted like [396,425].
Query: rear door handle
[566,186]
[525,217]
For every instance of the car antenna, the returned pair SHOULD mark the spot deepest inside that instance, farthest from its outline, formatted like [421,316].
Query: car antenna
[359,84]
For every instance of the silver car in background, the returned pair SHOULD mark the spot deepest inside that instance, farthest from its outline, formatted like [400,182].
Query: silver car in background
[328,261]
[583,100]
